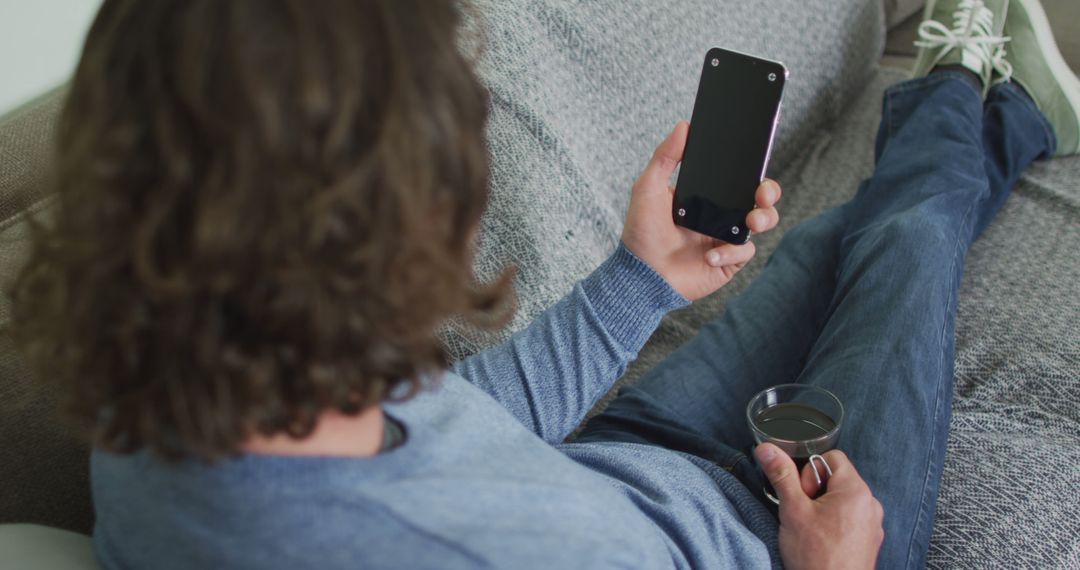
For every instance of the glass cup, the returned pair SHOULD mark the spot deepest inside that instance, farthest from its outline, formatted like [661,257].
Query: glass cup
[802,420]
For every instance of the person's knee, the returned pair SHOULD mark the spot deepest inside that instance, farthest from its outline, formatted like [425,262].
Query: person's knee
[814,230]
[915,232]
[816,234]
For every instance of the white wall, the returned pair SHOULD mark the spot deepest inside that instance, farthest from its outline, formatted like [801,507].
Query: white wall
[40,42]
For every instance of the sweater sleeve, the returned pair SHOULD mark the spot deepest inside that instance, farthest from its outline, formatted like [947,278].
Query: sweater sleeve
[550,374]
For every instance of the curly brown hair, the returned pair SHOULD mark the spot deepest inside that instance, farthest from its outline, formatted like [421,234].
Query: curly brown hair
[266,208]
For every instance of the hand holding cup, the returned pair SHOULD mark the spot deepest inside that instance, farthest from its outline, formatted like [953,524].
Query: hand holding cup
[841,529]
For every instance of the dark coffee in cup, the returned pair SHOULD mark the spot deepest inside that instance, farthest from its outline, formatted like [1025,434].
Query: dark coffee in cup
[802,420]
[795,423]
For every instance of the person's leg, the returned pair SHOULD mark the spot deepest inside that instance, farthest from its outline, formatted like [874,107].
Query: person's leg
[886,350]
[884,309]
[1011,140]
[761,339]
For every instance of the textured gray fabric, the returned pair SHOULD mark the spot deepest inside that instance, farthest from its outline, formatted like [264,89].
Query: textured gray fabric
[583,91]
[44,467]
[25,135]
[1011,484]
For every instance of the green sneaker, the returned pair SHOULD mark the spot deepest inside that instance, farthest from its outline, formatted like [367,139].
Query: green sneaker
[972,38]
[1042,72]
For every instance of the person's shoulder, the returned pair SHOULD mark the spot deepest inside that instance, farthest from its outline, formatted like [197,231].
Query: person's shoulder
[445,390]
[448,401]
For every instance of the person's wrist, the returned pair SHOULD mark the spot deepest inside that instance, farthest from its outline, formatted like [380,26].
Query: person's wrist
[629,297]
[645,256]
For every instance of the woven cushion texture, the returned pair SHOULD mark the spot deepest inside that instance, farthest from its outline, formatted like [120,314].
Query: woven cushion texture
[44,468]
[581,94]
[24,157]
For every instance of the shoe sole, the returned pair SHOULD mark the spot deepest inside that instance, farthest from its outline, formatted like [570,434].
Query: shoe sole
[1044,36]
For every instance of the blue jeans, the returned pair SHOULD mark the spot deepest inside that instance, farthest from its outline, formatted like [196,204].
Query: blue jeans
[860,300]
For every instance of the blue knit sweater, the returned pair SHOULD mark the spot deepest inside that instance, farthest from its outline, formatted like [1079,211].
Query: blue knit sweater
[483,479]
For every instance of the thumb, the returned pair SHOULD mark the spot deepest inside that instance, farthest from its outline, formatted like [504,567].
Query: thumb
[783,475]
[729,254]
[665,158]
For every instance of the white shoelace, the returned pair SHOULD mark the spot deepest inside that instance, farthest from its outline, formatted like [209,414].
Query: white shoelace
[972,31]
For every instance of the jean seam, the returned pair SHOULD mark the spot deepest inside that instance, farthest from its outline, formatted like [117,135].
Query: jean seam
[920,518]
[739,458]
[888,116]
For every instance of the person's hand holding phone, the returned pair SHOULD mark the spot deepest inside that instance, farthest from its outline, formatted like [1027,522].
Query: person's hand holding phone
[695,265]
[842,529]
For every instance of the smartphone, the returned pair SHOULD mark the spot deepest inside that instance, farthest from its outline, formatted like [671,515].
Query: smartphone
[727,150]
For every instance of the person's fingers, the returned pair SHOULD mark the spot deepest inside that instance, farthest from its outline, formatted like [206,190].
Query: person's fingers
[730,254]
[810,485]
[761,220]
[768,193]
[839,462]
[664,159]
[844,474]
[781,472]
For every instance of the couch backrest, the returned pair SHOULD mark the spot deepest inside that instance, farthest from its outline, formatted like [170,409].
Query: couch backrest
[43,466]
[25,153]
[582,92]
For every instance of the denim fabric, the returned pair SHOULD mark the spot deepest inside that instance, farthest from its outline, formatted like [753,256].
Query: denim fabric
[860,300]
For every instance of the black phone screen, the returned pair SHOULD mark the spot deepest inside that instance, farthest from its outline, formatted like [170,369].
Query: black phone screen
[727,148]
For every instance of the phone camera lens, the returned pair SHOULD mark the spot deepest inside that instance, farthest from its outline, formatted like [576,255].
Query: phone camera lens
[682,212]
[735,230]
[715,61]
[772,77]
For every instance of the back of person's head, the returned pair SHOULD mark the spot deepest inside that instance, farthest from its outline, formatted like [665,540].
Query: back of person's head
[265,210]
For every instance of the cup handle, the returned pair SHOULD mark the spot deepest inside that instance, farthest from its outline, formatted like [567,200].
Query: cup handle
[817,474]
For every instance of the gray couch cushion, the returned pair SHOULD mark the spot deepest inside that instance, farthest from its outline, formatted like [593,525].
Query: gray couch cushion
[25,136]
[1011,485]
[44,467]
[583,91]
